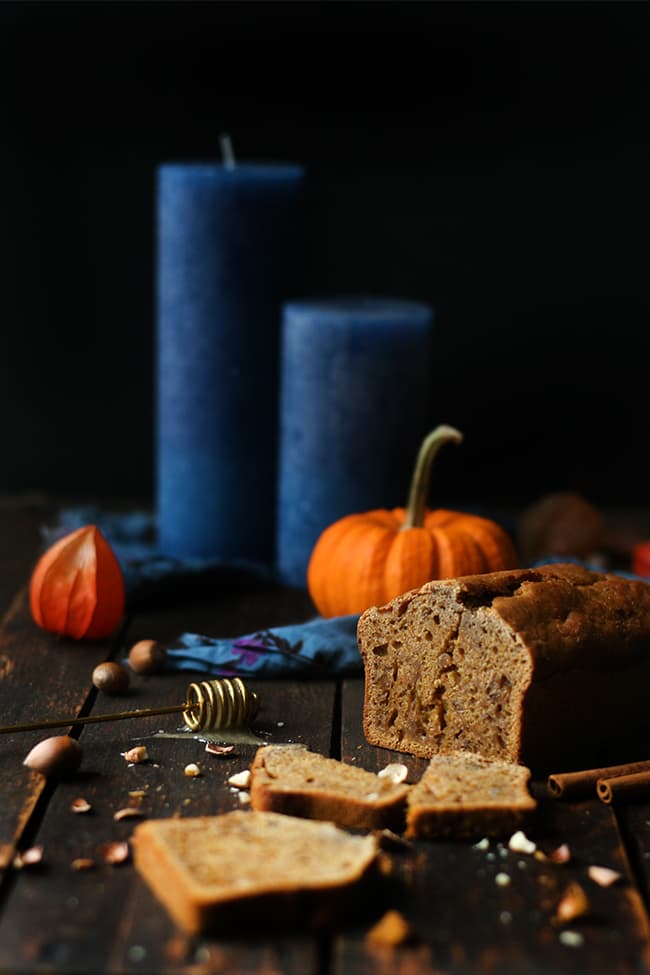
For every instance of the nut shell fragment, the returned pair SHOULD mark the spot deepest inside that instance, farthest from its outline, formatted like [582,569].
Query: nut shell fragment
[114,852]
[573,904]
[391,930]
[83,863]
[129,812]
[29,858]
[136,755]
[80,805]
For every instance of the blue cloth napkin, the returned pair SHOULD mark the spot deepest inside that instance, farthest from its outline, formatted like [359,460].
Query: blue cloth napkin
[318,648]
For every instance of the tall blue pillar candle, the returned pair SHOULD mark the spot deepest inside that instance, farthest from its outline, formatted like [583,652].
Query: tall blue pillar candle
[356,390]
[228,245]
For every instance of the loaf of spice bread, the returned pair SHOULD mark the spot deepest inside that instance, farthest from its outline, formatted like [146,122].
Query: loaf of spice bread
[542,667]
[463,795]
[243,868]
[293,780]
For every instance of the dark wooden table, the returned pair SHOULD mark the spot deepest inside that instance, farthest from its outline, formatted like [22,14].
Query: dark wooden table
[57,919]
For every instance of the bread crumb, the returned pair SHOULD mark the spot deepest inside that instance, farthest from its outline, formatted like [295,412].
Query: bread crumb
[483,844]
[604,876]
[395,772]
[571,939]
[241,780]
[391,930]
[520,843]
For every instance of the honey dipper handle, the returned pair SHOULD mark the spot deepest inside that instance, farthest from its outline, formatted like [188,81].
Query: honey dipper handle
[94,718]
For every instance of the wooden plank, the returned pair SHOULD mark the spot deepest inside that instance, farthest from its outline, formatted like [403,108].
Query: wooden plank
[465,921]
[43,677]
[634,823]
[105,919]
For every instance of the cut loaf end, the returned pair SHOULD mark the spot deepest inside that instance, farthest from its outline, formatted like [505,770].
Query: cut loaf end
[540,667]
[442,676]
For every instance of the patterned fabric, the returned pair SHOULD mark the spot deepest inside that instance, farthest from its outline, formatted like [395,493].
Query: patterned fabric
[318,648]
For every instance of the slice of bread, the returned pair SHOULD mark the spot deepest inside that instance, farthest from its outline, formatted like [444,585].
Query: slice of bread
[245,867]
[290,779]
[463,795]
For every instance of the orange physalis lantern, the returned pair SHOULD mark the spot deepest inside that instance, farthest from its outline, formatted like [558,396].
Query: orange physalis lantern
[77,587]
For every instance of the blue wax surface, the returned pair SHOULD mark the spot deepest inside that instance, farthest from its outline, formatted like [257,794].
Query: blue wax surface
[355,404]
[228,246]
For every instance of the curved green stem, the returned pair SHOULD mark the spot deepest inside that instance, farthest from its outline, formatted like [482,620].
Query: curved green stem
[419,492]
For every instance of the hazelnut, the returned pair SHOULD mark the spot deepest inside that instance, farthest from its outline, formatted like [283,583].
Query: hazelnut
[562,523]
[111,678]
[147,657]
[58,756]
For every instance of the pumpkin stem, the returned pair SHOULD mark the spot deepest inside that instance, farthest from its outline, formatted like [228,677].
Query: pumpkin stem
[419,492]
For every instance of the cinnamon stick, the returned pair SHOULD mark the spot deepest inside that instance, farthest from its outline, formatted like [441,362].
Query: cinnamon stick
[575,785]
[624,787]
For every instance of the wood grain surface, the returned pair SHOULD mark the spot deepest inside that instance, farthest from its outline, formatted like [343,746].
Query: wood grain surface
[464,916]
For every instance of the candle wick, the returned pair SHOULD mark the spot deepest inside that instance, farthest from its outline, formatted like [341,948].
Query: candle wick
[227,151]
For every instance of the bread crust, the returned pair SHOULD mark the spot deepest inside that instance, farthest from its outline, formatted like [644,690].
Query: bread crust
[558,657]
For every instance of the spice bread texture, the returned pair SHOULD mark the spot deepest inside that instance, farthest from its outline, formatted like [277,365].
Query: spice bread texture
[214,873]
[293,780]
[541,667]
[464,796]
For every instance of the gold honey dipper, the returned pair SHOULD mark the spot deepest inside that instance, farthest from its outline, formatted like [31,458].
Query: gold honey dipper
[210,705]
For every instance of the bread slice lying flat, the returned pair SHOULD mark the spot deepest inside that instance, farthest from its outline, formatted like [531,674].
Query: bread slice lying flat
[245,867]
[463,795]
[292,780]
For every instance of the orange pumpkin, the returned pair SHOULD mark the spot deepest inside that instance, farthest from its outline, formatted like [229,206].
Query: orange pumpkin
[77,587]
[366,559]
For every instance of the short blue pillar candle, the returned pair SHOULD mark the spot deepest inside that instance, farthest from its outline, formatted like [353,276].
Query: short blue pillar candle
[228,246]
[355,403]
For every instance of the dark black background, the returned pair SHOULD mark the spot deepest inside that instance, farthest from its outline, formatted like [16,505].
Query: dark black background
[490,158]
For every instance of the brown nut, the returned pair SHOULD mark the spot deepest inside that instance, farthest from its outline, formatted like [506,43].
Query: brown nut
[57,757]
[111,678]
[147,657]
